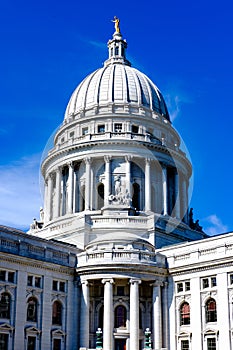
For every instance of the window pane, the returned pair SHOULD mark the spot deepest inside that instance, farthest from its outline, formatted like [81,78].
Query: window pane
[205,283]
[31,343]
[2,275]
[62,286]
[187,286]
[30,280]
[213,282]
[3,341]
[211,344]
[101,128]
[5,301]
[54,285]
[11,277]
[37,282]
[184,345]
[56,344]
[120,316]
[57,313]
[32,310]
[118,127]
[179,287]
[211,311]
[185,314]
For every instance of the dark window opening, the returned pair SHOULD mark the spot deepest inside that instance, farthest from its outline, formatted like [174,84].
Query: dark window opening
[184,345]
[135,129]
[211,310]
[101,128]
[57,313]
[184,314]
[32,310]
[31,343]
[136,196]
[211,344]
[120,290]
[4,341]
[100,196]
[101,317]
[118,127]
[5,303]
[2,275]
[120,316]
[56,344]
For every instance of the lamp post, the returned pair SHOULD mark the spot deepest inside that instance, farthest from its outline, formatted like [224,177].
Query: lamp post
[99,339]
[147,338]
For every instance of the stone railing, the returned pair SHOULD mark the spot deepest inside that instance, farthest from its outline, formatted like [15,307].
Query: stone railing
[117,256]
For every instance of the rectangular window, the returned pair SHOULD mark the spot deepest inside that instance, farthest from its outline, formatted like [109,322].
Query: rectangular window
[205,283]
[85,131]
[3,341]
[62,286]
[101,128]
[184,345]
[37,282]
[179,287]
[71,133]
[55,284]
[2,275]
[120,291]
[231,279]
[213,282]
[56,344]
[135,129]
[211,344]
[11,277]
[31,343]
[30,281]
[118,127]
[187,286]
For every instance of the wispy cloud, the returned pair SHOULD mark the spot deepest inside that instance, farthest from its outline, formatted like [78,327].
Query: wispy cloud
[214,225]
[20,198]
[175,98]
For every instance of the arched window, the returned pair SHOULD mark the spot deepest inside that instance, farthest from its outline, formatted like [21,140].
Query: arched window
[5,304]
[120,316]
[57,313]
[32,309]
[185,314]
[101,317]
[211,310]
[100,191]
[136,196]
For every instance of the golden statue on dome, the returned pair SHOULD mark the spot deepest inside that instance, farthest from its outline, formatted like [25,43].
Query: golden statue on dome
[117,24]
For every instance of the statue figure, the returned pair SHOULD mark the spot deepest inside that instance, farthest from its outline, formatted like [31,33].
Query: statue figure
[117,24]
[117,185]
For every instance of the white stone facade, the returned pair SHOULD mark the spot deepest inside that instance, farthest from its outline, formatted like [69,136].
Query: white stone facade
[116,247]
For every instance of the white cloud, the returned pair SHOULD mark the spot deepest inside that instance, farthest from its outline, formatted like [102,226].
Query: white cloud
[173,104]
[215,225]
[20,198]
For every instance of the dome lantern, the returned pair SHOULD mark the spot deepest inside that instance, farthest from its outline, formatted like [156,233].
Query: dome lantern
[117,47]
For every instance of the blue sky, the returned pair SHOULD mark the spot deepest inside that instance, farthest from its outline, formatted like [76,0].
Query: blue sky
[48,47]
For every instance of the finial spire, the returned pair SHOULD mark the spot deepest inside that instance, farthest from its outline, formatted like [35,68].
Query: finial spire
[117,46]
[116,20]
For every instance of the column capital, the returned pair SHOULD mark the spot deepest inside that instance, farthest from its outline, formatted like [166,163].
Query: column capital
[128,158]
[135,281]
[105,280]
[58,169]
[157,283]
[148,160]
[107,158]
[87,160]
[84,282]
[70,164]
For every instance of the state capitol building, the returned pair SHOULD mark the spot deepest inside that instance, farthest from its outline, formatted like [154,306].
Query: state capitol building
[116,261]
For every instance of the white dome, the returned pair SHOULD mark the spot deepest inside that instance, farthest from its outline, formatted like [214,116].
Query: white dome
[116,88]
[116,84]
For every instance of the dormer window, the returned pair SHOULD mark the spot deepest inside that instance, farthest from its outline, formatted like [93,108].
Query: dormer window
[135,129]
[118,127]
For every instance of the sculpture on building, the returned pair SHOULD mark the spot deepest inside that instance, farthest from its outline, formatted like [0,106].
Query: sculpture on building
[117,24]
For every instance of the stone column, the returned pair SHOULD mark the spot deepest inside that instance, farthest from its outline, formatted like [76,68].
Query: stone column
[164,180]
[88,183]
[84,319]
[184,199]
[49,197]
[148,184]
[157,315]
[134,314]
[177,195]
[57,206]
[107,185]
[70,188]
[165,314]
[108,314]
[128,159]
[45,199]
